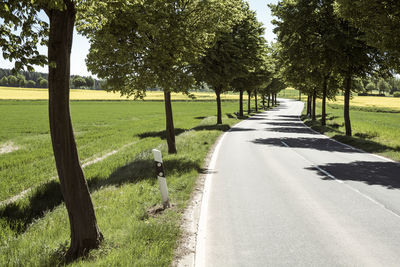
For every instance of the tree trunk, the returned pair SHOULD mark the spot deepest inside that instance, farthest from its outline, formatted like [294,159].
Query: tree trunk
[241,103]
[169,120]
[219,111]
[324,89]
[347,91]
[309,105]
[248,102]
[263,101]
[314,99]
[255,100]
[85,234]
[299,95]
[269,101]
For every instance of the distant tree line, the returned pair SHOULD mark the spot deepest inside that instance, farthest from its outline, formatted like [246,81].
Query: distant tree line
[40,80]
[377,86]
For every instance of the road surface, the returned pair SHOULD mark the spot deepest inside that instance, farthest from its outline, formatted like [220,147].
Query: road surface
[279,194]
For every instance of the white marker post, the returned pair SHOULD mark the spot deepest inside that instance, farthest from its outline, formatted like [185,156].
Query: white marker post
[162,181]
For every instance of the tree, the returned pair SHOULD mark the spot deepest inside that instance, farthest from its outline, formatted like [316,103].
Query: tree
[315,39]
[383,86]
[370,87]
[233,58]
[306,31]
[43,83]
[89,82]
[30,84]
[379,20]
[147,44]
[85,234]
[78,82]
[4,81]
[21,80]
[12,80]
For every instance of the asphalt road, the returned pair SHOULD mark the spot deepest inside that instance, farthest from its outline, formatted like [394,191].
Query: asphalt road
[279,194]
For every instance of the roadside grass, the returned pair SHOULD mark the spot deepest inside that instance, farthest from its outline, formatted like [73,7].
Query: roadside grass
[16,93]
[34,231]
[375,130]
[100,128]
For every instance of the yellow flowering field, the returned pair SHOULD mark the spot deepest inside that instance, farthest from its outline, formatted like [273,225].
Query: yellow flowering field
[79,94]
[371,101]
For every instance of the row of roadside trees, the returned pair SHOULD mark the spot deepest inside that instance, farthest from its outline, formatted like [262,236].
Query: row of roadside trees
[330,45]
[172,45]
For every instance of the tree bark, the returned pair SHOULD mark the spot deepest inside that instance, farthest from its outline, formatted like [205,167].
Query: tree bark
[248,102]
[169,121]
[347,91]
[324,91]
[314,99]
[263,101]
[309,105]
[299,95]
[219,111]
[255,100]
[269,101]
[241,103]
[85,234]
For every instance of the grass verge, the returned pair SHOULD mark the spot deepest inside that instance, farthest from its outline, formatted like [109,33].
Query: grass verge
[375,130]
[34,231]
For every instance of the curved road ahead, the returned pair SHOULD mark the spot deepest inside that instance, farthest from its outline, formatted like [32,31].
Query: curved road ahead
[279,194]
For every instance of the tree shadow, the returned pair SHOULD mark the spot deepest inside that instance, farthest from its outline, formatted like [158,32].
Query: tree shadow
[19,215]
[372,173]
[230,116]
[256,118]
[284,119]
[288,124]
[200,118]
[364,144]
[217,127]
[161,134]
[239,129]
[143,169]
[321,144]
[178,131]
[299,130]
[289,117]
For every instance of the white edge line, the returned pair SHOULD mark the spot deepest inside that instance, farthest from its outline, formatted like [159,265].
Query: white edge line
[202,225]
[346,145]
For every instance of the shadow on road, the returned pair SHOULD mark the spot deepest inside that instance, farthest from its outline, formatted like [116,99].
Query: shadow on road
[321,144]
[386,174]
[285,124]
[299,130]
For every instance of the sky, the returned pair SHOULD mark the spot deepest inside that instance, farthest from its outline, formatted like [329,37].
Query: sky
[80,45]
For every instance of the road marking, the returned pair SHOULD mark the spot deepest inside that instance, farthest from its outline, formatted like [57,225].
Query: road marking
[200,252]
[376,202]
[286,145]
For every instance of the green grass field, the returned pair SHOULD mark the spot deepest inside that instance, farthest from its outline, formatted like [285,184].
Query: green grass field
[375,130]
[34,230]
